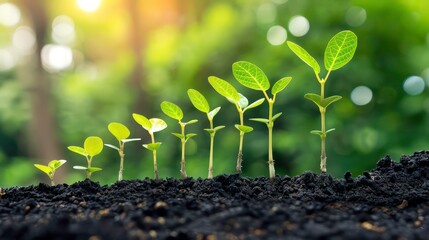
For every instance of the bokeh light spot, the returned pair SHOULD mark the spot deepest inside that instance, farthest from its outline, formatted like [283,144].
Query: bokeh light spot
[7,60]
[9,14]
[63,30]
[24,40]
[266,13]
[276,35]
[361,95]
[89,5]
[355,16]
[414,85]
[56,57]
[299,26]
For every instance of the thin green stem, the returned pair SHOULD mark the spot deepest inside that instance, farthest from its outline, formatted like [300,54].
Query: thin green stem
[182,162]
[323,128]
[270,126]
[212,135]
[122,156]
[240,146]
[155,167]
[88,173]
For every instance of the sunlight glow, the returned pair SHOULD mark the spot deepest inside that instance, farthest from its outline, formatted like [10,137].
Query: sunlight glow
[89,5]
[9,14]
[361,95]
[276,35]
[63,31]
[7,60]
[414,85]
[299,26]
[56,57]
[24,40]
[355,16]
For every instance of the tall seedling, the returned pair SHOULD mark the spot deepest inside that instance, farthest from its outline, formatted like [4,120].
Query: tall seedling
[200,103]
[338,52]
[251,76]
[121,133]
[91,147]
[242,105]
[172,110]
[152,126]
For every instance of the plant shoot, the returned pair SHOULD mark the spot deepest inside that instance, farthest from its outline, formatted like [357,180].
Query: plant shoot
[121,133]
[251,76]
[152,126]
[172,110]
[92,146]
[338,52]
[50,168]
[201,103]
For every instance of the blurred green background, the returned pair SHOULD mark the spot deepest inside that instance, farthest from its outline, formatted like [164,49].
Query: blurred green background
[68,68]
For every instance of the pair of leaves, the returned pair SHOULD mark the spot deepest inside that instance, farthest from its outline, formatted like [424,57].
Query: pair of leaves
[243,128]
[90,169]
[267,121]
[338,52]
[92,146]
[151,125]
[201,103]
[322,103]
[320,133]
[251,76]
[121,133]
[214,130]
[185,137]
[51,167]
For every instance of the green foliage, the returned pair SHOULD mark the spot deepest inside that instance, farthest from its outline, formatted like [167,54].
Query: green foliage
[50,168]
[304,56]
[224,88]
[119,131]
[172,110]
[340,50]
[199,101]
[92,146]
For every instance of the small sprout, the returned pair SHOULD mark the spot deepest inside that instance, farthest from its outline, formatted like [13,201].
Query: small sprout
[338,52]
[251,76]
[91,147]
[50,168]
[242,104]
[172,110]
[151,126]
[121,133]
[200,103]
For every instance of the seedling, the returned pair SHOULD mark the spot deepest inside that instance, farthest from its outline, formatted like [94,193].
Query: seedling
[242,104]
[151,125]
[50,168]
[251,76]
[338,52]
[121,133]
[200,103]
[91,147]
[172,110]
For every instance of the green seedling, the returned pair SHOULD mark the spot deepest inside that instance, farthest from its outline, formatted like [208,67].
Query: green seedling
[338,52]
[200,103]
[91,147]
[121,133]
[152,126]
[242,105]
[50,168]
[251,76]
[172,110]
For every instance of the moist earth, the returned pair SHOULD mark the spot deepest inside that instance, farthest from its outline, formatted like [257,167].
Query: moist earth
[388,202]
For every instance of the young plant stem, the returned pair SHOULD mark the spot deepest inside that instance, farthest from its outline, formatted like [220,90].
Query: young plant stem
[182,162]
[121,155]
[270,126]
[240,146]
[323,126]
[212,135]
[88,173]
[52,180]
[155,167]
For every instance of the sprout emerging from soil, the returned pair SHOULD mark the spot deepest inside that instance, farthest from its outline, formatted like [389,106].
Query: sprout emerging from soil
[92,146]
[50,168]
[151,126]
[251,76]
[200,103]
[172,110]
[121,133]
[338,52]
[242,104]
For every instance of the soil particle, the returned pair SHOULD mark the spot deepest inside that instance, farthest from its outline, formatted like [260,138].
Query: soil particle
[389,202]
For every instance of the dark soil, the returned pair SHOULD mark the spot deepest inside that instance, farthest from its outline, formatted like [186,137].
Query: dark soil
[389,202]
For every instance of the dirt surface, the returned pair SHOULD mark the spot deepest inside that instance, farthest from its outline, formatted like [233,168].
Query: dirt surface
[389,202]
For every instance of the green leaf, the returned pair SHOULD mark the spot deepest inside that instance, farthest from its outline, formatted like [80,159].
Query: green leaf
[340,50]
[93,169]
[250,75]
[317,132]
[329,100]
[280,85]
[143,121]
[218,128]
[111,146]
[189,135]
[157,125]
[198,100]
[54,164]
[80,168]
[78,150]
[93,145]
[152,146]
[242,102]
[224,88]
[322,103]
[130,140]
[191,122]
[172,110]
[243,128]
[304,56]
[262,120]
[44,169]
[213,113]
[276,116]
[180,136]
[209,130]
[118,130]
[330,130]
[254,104]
